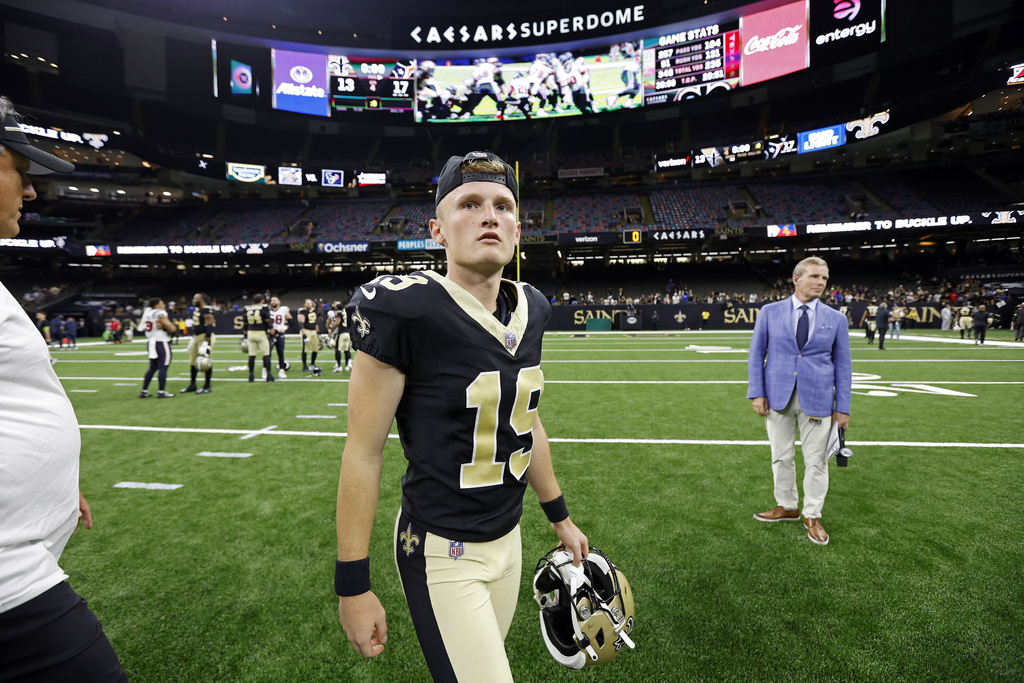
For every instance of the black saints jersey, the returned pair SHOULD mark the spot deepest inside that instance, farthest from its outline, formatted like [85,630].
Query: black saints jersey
[471,394]
[310,315]
[257,317]
[199,314]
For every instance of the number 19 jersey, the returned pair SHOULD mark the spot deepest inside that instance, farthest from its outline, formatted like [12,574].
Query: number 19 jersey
[472,389]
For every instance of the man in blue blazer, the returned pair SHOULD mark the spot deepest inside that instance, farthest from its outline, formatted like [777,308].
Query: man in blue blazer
[800,375]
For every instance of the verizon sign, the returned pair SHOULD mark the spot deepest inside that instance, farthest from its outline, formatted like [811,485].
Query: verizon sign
[774,43]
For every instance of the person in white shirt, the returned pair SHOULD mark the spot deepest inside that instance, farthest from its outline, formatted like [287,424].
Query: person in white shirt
[47,633]
[158,329]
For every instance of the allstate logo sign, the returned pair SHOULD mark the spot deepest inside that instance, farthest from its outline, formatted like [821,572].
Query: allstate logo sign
[301,74]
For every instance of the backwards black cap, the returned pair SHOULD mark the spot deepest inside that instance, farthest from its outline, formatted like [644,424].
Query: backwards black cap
[40,163]
[452,175]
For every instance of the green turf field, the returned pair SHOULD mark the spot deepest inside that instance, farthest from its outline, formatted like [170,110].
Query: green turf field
[663,462]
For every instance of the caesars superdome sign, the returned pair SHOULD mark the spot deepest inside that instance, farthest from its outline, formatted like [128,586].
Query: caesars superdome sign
[589,20]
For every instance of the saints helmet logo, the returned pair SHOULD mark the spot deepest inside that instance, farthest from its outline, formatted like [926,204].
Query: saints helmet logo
[361,323]
[409,540]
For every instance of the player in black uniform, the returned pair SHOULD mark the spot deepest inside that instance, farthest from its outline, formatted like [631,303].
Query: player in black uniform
[202,342]
[337,330]
[256,324]
[310,335]
[456,360]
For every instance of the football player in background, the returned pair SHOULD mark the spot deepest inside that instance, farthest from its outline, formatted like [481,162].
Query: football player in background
[280,317]
[255,324]
[578,81]
[516,95]
[201,345]
[341,340]
[158,329]
[485,81]
[310,335]
[456,360]
[630,78]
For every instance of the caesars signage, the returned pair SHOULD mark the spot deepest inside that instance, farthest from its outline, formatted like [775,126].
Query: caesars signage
[457,32]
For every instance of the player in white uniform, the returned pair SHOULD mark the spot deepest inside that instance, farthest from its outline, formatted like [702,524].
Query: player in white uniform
[280,316]
[517,96]
[158,328]
[484,82]
[540,72]
[579,84]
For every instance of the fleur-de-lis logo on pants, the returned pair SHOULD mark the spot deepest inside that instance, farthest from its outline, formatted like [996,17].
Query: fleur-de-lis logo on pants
[409,540]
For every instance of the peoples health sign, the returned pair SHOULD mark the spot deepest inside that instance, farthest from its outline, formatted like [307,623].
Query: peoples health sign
[823,138]
[300,82]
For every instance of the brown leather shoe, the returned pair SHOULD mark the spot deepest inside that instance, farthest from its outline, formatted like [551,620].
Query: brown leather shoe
[778,514]
[815,531]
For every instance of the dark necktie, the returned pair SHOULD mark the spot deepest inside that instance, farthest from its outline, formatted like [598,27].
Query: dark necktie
[802,326]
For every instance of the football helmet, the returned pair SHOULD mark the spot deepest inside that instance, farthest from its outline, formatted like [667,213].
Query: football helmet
[243,345]
[204,363]
[586,613]
[315,370]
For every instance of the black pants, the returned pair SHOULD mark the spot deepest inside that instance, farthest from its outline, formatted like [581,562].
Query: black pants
[55,638]
[979,334]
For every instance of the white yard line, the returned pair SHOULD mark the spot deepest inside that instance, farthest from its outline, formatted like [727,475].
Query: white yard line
[654,442]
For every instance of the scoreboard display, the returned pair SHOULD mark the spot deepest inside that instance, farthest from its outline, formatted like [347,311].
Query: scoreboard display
[368,84]
[692,63]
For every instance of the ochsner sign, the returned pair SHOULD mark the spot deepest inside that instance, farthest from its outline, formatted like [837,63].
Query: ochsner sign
[774,43]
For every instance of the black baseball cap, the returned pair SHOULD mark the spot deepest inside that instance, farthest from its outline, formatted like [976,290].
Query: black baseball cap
[452,175]
[40,162]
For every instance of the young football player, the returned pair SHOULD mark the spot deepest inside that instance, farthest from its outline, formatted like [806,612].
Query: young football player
[456,360]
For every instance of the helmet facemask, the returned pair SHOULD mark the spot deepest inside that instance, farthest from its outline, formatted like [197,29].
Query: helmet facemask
[586,613]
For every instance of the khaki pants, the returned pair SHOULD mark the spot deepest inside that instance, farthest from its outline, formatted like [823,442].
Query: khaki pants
[259,345]
[782,426]
[195,343]
[462,600]
[310,341]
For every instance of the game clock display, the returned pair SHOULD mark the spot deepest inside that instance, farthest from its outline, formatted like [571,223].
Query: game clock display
[632,236]
[362,84]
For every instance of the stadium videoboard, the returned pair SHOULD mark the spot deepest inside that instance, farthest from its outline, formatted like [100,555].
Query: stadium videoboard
[733,49]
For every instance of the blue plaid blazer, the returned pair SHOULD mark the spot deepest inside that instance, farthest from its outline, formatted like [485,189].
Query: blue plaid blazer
[822,372]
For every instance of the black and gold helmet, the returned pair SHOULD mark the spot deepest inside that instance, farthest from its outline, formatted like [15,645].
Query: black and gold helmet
[586,613]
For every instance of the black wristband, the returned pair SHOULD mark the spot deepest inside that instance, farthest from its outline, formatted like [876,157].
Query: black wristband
[352,578]
[555,510]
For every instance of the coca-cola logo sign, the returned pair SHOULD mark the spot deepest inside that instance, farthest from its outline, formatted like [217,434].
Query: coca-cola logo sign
[774,43]
[782,38]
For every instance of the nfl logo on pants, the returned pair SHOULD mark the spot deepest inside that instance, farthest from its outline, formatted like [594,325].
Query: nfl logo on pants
[456,549]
